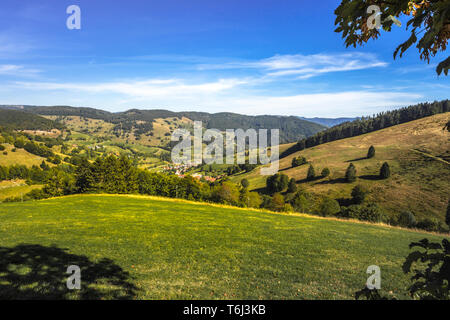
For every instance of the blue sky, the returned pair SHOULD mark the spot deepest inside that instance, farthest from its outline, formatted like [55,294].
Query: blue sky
[244,56]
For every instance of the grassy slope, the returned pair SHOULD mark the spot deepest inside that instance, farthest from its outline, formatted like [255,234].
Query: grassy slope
[15,188]
[21,157]
[417,152]
[176,249]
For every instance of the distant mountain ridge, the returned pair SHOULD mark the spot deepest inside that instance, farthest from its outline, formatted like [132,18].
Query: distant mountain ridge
[328,122]
[291,128]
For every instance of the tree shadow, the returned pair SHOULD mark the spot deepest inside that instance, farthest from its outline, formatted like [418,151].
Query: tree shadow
[372,177]
[333,181]
[357,159]
[35,272]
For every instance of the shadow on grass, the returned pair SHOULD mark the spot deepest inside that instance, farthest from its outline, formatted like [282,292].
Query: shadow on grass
[357,159]
[372,177]
[35,272]
[333,181]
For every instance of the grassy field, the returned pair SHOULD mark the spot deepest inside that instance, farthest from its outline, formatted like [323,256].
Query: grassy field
[20,156]
[418,153]
[153,248]
[16,188]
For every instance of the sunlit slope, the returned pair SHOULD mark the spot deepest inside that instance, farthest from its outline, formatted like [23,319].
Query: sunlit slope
[178,249]
[418,153]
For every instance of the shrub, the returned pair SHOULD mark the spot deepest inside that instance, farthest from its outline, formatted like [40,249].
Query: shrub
[371,152]
[245,183]
[385,171]
[428,224]
[325,172]
[292,186]
[311,173]
[2,147]
[277,183]
[350,174]
[329,207]
[299,161]
[277,203]
[407,219]
[447,215]
[358,194]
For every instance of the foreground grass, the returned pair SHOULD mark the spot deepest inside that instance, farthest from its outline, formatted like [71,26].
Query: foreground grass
[174,249]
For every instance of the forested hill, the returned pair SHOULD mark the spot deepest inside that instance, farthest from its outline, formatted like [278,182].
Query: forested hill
[291,128]
[369,124]
[20,120]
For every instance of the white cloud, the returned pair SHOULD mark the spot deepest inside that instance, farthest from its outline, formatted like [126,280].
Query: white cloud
[16,70]
[305,66]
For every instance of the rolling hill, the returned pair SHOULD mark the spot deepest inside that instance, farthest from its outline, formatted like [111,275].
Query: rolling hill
[138,247]
[141,122]
[418,153]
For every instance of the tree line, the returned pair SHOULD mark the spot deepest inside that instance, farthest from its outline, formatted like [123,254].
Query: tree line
[369,124]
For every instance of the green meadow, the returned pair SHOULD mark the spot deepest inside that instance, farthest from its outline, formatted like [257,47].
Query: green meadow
[138,247]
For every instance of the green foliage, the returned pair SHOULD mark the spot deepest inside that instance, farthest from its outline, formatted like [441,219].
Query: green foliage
[20,120]
[429,224]
[371,152]
[368,212]
[430,282]
[407,219]
[350,173]
[2,147]
[329,207]
[311,174]
[277,183]
[292,186]
[385,171]
[358,194]
[277,203]
[296,162]
[244,183]
[325,172]
[429,19]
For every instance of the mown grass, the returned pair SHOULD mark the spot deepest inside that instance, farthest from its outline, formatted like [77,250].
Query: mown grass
[174,249]
[417,152]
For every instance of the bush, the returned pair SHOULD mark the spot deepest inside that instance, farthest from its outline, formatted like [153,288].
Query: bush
[371,152]
[311,173]
[428,224]
[325,172]
[2,147]
[407,219]
[329,207]
[292,186]
[385,171]
[369,212]
[277,183]
[350,174]
[296,162]
[277,203]
[358,194]
[245,183]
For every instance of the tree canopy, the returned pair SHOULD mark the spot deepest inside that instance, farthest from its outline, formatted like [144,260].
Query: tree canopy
[429,25]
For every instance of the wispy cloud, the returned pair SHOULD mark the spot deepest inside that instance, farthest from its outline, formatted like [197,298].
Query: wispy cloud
[304,66]
[140,88]
[16,70]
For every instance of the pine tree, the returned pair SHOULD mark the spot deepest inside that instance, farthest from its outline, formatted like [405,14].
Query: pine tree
[311,173]
[371,152]
[385,171]
[350,174]
[358,194]
[292,186]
